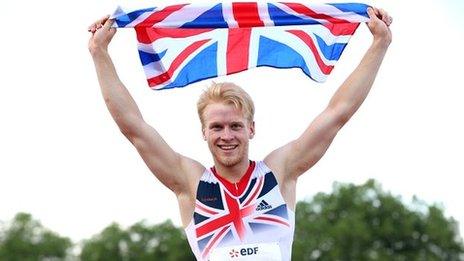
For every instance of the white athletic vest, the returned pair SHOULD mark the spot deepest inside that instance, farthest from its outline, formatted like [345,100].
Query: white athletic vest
[247,220]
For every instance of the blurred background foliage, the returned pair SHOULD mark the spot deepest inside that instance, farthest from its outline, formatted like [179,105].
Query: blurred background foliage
[139,242]
[353,222]
[366,223]
[25,239]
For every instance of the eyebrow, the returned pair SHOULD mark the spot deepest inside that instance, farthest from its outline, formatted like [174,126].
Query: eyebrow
[230,123]
[214,124]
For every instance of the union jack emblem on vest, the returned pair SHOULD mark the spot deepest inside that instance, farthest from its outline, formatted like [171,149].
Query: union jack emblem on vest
[230,214]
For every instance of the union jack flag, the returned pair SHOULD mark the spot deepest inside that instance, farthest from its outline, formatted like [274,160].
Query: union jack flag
[230,214]
[185,43]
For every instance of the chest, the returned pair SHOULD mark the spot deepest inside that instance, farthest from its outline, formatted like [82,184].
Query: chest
[252,215]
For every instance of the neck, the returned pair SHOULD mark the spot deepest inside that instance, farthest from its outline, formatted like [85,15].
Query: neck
[232,173]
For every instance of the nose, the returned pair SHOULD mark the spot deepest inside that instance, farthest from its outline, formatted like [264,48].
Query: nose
[227,134]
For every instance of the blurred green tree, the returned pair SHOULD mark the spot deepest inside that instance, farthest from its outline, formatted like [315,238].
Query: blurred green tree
[365,223]
[25,239]
[139,242]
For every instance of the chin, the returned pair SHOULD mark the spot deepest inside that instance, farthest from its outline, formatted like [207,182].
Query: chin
[229,161]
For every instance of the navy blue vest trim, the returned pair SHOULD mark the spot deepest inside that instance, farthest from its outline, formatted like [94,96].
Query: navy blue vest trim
[269,183]
[210,194]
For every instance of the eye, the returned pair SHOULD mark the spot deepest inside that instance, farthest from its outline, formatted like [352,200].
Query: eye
[215,127]
[236,126]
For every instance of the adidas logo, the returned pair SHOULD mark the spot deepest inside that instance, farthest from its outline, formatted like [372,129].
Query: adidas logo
[263,206]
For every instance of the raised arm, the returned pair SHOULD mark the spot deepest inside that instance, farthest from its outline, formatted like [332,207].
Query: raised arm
[298,156]
[172,169]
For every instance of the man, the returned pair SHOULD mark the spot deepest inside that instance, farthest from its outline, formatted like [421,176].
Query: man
[238,208]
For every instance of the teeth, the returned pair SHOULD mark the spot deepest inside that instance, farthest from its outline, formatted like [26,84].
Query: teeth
[227,147]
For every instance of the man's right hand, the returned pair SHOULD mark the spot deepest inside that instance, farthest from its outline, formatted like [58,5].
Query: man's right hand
[102,33]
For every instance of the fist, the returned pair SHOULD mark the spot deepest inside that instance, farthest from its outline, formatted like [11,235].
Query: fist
[102,33]
[379,24]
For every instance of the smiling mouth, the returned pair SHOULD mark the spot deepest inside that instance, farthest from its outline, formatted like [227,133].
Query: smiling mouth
[227,147]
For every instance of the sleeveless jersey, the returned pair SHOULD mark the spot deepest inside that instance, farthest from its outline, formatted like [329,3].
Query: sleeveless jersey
[247,220]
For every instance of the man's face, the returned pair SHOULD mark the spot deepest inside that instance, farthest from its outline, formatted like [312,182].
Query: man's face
[227,132]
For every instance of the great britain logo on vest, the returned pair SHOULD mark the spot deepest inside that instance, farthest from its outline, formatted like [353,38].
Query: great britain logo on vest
[185,43]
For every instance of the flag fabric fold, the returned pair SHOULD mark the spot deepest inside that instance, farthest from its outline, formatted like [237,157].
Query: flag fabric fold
[186,43]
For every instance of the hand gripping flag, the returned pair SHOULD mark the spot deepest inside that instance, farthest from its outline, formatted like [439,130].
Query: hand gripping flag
[186,43]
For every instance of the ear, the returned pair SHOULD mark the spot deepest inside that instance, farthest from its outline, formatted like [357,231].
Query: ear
[203,133]
[252,130]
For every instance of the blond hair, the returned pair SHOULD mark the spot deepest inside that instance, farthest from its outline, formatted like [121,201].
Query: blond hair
[227,93]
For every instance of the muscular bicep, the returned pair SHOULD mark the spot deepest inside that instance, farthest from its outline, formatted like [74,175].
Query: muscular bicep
[301,154]
[173,170]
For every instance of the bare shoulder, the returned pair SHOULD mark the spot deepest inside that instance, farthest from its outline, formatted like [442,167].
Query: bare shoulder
[277,162]
[193,170]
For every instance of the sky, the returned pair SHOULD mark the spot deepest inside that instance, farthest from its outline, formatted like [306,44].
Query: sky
[63,159]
